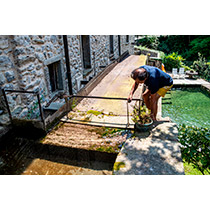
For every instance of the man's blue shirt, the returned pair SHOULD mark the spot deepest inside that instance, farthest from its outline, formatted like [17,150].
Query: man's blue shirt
[156,79]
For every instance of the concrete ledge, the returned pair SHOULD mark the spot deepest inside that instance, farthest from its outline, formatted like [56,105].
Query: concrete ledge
[157,154]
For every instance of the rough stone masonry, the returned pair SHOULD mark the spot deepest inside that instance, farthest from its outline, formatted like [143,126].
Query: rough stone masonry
[37,63]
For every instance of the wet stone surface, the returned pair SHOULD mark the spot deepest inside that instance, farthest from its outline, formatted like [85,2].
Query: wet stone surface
[67,150]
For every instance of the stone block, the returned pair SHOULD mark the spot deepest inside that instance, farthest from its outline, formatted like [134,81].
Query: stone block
[38,67]
[18,99]
[47,38]
[17,111]
[30,50]
[9,76]
[4,44]
[9,86]
[30,67]
[10,101]
[38,41]
[19,51]
[5,62]
[53,39]
[4,119]
[24,59]
[27,40]
[36,89]
[2,79]
[18,40]
[24,113]
[49,54]
[39,73]
[40,57]
[7,50]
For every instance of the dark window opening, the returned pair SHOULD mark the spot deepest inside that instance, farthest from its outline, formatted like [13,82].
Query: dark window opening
[127,38]
[56,81]
[111,40]
[86,51]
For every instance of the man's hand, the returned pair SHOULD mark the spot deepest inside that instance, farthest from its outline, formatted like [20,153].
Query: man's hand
[129,99]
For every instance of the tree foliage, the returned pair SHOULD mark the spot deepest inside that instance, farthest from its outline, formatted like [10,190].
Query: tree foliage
[149,42]
[187,46]
[201,45]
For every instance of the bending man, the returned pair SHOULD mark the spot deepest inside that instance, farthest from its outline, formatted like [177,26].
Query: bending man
[157,82]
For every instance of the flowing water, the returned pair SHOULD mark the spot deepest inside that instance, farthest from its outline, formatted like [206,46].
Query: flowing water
[189,106]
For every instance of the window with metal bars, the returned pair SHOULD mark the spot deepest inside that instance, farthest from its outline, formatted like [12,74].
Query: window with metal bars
[86,51]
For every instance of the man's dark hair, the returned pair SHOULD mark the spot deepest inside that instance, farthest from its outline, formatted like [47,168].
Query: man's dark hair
[141,75]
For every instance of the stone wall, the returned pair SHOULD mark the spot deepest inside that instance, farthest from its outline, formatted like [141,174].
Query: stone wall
[25,60]
[127,45]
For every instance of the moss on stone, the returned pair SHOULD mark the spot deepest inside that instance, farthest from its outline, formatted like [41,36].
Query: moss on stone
[96,113]
[118,165]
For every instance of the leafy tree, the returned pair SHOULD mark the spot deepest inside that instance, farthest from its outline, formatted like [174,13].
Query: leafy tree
[187,46]
[201,45]
[149,42]
[174,43]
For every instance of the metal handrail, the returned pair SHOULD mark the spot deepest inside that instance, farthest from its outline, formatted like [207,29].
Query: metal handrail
[109,98]
[101,97]
[23,91]
[64,96]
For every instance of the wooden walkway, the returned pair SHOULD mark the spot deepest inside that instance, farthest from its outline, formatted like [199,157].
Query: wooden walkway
[110,113]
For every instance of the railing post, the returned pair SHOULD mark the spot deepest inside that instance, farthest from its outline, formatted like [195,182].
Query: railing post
[7,105]
[127,115]
[41,111]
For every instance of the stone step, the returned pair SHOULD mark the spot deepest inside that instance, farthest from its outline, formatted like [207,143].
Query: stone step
[156,154]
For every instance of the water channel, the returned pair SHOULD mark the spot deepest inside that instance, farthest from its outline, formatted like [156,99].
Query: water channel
[189,106]
[23,153]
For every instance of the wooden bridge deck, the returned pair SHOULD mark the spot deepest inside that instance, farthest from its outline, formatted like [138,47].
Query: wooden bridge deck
[116,84]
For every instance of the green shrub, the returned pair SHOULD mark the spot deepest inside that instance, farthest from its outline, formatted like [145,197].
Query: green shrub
[202,67]
[173,60]
[195,147]
[141,114]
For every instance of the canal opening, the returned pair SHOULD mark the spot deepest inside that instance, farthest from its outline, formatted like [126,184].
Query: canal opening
[28,155]
[187,105]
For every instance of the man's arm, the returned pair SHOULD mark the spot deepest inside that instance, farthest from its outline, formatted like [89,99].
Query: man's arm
[133,89]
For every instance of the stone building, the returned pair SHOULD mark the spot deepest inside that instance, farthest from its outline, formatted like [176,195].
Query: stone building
[52,64]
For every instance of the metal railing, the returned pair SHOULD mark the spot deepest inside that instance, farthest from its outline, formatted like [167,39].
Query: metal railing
[69,97]
[107,98]
[22,92]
